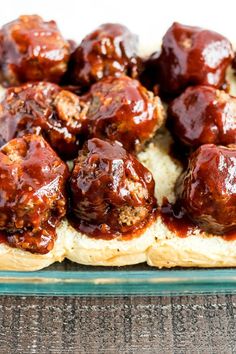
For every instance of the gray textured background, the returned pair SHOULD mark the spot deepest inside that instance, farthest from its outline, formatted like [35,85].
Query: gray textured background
[196,324]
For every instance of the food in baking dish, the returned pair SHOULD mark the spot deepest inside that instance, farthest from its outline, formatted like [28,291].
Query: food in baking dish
[108,158]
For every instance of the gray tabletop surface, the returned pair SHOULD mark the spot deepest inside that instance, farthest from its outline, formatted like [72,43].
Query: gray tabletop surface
[194,324]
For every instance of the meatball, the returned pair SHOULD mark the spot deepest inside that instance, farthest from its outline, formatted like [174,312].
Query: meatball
[32,193]
[43,108]
[32,50]
[112,193]
[109,50]
[122,109]
[192,56]
[207,190]
[202,115]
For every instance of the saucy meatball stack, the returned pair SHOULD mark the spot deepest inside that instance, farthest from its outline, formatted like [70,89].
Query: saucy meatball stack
[95,108]
[33,193]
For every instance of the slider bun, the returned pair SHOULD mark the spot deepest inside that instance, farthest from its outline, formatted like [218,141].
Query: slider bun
[200,250]
[82,249]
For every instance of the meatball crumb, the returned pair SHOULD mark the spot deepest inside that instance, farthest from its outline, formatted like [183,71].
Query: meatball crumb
[130,216]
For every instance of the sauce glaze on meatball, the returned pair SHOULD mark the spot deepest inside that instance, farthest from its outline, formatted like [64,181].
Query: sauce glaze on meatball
[122,109]
[207,190]
[32,193]
[202,115]
[110,50]
[43,108]
[192,56]
[112,193]
[32,50]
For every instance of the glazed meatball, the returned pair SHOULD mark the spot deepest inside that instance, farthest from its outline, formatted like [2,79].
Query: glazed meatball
[122,109]
[192,56]
[207,190]
[202,115]
[112,193]
[32,50]
[43,108]
[32,193]
[109,50]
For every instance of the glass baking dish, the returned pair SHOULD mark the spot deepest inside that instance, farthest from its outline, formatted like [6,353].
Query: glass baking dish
[72,279]
[69,278]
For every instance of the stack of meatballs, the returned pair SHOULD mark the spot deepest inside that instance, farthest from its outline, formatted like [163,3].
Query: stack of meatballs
[98,104]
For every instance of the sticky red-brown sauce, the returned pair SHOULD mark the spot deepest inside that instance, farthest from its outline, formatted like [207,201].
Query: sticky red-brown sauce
[39,242]
[91,67]
[230,236]
[177,221]
[110,50]
[103,232]
[203,115]
[3,237]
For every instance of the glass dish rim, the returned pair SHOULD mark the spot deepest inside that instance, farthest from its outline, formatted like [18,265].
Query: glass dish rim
[110,282]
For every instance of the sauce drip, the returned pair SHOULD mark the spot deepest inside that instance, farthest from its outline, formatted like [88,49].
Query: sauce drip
[3,237]
[177,220]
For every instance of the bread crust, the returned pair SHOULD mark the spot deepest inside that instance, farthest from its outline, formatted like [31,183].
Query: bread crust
[82,249]
[199,249]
